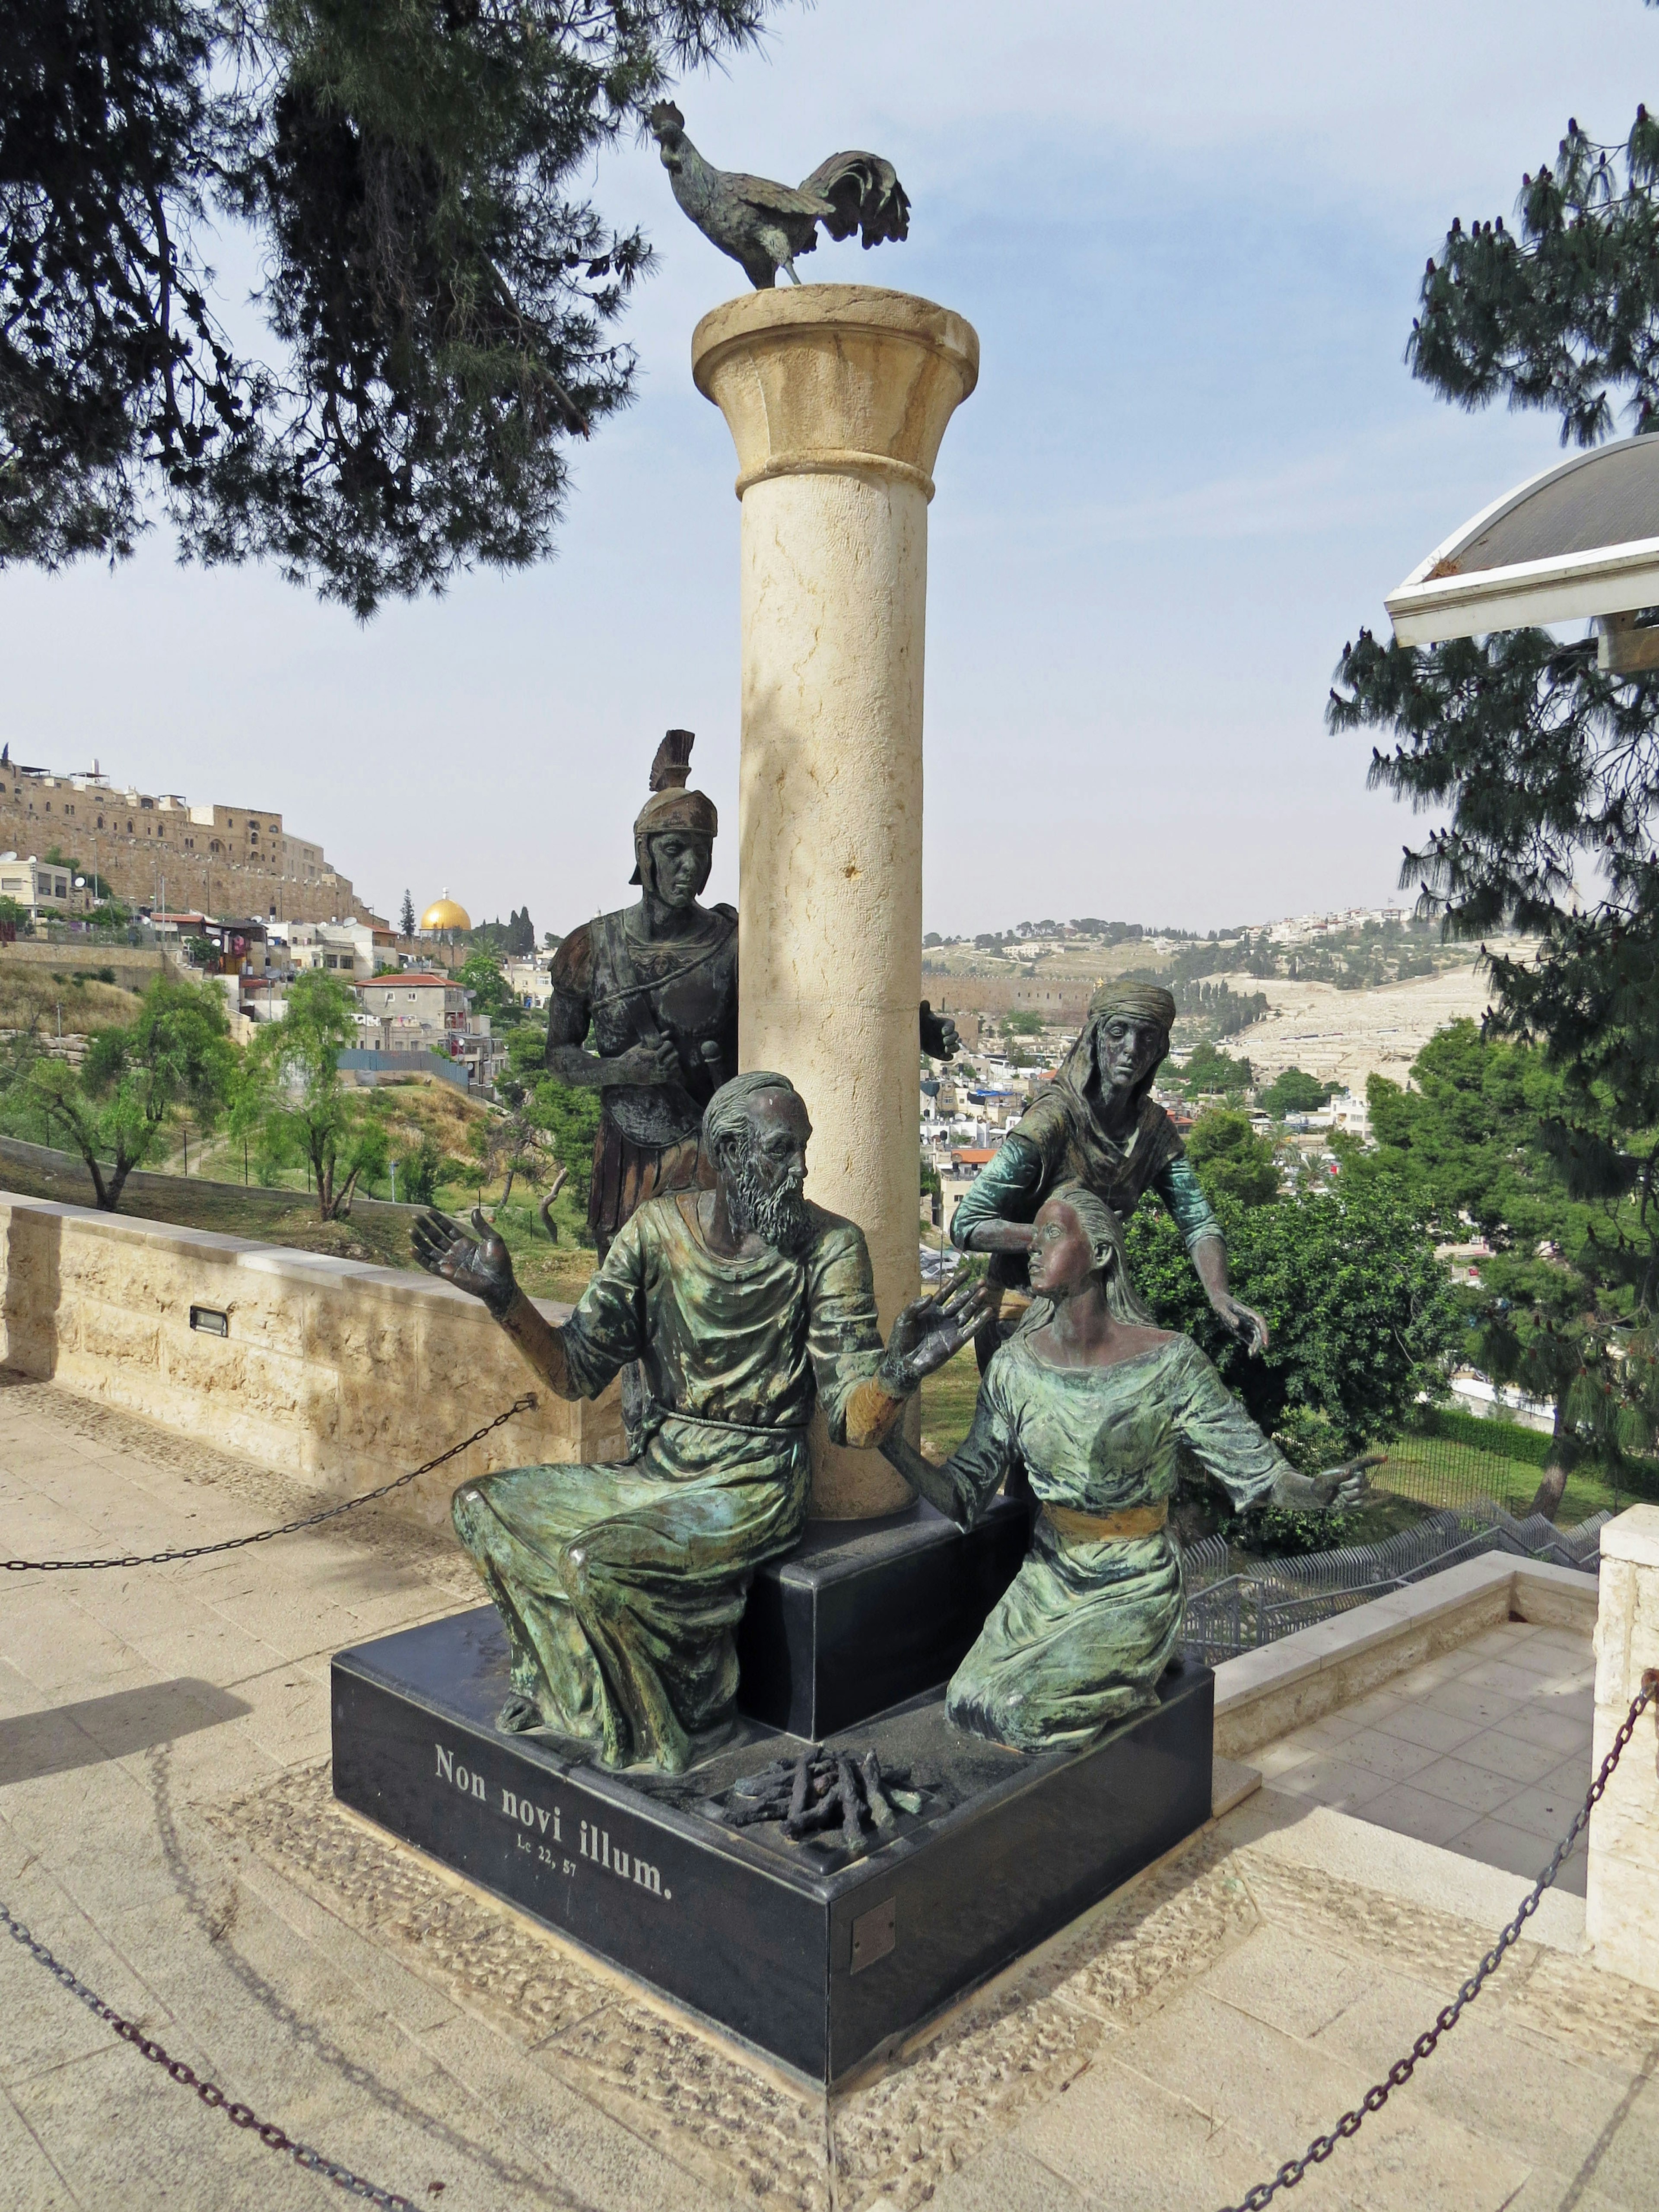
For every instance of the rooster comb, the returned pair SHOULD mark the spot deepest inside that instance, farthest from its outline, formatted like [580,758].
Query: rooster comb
[664,116]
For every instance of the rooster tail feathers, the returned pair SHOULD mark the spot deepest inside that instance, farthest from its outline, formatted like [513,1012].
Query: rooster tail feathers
[862,192]
[671,768]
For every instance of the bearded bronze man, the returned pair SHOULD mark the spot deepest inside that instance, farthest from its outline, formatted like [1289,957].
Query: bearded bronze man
[1099,1126]
[744,1304]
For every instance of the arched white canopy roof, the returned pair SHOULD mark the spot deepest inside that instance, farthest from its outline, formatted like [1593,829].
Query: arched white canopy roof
[1578,541]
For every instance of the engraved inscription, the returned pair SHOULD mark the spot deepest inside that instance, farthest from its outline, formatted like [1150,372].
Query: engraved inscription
[468,1784]
[539,1827]
[595,1844]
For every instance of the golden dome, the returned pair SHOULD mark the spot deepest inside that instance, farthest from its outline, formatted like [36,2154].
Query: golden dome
[444,913]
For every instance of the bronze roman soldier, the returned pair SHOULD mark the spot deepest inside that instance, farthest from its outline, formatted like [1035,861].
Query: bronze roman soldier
[657,983]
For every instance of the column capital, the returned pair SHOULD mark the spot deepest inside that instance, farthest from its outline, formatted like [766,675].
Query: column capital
[835,380]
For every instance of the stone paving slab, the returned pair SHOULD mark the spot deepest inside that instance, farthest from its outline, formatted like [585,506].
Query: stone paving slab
[167,1824]
[28,2171]
[1485,1749]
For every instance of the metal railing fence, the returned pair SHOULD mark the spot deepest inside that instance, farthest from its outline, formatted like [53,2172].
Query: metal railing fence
[1237,1603]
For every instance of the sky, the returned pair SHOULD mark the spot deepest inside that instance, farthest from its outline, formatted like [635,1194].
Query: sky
[1189,237]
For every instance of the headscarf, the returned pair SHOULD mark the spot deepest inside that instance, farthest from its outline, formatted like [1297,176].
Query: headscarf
[1140,1002]
[1105,1235]
[1078,1073]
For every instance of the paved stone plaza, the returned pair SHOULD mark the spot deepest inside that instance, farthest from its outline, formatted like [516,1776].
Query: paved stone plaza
[1486,1749]
[166,1826]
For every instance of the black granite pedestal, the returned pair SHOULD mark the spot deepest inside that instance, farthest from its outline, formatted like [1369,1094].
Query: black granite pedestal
[817,1959]
[861,1615]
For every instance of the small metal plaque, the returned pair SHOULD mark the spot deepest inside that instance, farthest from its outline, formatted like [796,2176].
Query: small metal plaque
[209,1321]
[875,1934]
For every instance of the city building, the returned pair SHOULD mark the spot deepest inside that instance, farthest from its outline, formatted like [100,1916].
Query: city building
[531,980]
[36,883]
[347,949]
[1304,928]
[1347,1111]
[420,1011]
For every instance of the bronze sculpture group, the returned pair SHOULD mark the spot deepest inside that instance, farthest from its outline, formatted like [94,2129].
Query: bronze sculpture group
[734,1307]
[746,1306]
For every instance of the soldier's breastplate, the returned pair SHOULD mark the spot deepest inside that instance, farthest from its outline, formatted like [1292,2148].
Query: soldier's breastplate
[695,1002]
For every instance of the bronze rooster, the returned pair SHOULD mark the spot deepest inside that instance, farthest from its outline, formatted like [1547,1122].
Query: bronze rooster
[764,226]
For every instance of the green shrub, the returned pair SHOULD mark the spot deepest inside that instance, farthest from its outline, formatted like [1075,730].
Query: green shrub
[1509,1439]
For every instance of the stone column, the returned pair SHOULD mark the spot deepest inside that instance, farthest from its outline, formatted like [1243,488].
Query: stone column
[837,397]
[1622,1898]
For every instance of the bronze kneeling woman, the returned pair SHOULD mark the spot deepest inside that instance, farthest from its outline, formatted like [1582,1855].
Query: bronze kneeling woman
[1094,1405]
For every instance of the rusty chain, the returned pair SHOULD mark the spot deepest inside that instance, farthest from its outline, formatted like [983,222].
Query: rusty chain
[238,2115]
[521,1405]
[1402,2070]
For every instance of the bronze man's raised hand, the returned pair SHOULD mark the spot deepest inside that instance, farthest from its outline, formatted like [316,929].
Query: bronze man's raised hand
[939,1040]
[483,1268]
[931,1330]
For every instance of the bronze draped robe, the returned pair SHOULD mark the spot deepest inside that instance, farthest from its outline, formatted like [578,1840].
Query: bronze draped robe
[622,1586]
[1082,1633]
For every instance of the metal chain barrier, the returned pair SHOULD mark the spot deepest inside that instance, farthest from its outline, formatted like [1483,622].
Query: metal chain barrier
[1402,2070]
[522,1405]
[238,2115]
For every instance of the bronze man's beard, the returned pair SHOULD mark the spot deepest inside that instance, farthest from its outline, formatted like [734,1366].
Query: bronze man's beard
[778,1213]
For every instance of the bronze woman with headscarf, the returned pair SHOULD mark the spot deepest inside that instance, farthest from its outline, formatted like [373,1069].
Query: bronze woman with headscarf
[1097,1124]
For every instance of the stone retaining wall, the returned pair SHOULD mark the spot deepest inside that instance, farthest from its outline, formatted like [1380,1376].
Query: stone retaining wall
[46,1160]
[340,1374]
[135,965]
[1262,1695]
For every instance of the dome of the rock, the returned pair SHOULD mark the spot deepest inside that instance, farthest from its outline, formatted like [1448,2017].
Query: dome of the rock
[444,913]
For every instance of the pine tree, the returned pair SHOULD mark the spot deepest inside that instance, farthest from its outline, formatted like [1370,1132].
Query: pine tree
[1561,314]
[406,919]
[437,290]
[1548,767]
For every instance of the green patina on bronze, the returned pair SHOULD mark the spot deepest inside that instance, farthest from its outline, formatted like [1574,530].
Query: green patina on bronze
[1096,1124]
[1091,1409]
[622,1587]
[740,1310]
[1081,1635]
[1115,1139]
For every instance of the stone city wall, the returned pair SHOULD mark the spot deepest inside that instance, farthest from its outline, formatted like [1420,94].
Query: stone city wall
[339,1374]
[1063,1002]
[151,850]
